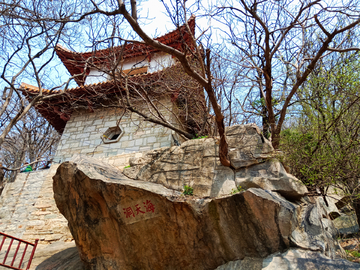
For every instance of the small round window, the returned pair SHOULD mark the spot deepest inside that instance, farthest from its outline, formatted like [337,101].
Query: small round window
[112,135]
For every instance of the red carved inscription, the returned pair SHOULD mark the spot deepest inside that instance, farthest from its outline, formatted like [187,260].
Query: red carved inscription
[148,207]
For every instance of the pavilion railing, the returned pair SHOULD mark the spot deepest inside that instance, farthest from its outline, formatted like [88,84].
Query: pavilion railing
[14,252]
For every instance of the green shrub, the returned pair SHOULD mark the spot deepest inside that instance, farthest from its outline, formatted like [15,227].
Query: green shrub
[188,190]
[200,137]
[353,253]
[237,190]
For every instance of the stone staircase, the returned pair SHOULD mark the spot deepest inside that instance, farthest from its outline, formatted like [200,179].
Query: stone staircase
[28,210]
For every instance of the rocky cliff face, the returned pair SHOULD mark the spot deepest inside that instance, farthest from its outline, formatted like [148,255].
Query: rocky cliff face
[196,163]
[123,223]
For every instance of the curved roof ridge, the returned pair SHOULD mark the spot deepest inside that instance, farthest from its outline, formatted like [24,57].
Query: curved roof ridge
[190,21]
[34,89]
[77,63]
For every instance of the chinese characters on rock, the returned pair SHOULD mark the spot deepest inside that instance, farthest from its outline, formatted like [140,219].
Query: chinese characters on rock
[146,208]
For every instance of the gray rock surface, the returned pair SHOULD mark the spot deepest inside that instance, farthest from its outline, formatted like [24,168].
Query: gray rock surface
[330,207]
[247,146]
[337,196]
[314,230]
[196,163]
[346,224]
[119,223]
[271,175]
[57,256]
[292,259]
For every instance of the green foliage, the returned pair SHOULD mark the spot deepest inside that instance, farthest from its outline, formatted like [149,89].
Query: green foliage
[237,190]
[261,102]
[322,146]
[200,137]
[188,190]
[127,166]
[353,253]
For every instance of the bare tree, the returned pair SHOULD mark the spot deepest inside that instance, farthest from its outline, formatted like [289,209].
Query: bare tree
[29,32]
[273,41]
[269,44]
[201,72]
[194,60]
[32,140]
[277,44]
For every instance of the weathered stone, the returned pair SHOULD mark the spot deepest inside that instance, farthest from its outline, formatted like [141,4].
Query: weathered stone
[313,230]
[119,223]
[330,207]
[247,146]
[347,224]
[292,259]
[146,158]
[132,171]
[57,256]
[195,163]
[271,175]
[335,193]
[247,263]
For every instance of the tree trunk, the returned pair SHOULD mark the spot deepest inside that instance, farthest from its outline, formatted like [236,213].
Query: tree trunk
[265,122]
[223,146]
[275,139]
[18,162]
[356,205]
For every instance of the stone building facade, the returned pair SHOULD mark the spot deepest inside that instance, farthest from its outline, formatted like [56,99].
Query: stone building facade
[83,135]
[93,128]
[88,114]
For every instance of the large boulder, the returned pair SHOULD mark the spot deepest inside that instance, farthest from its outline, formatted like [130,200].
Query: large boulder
[119,223]
[196,163]
[247,146]
[292,259]
[347,224]
[314,230]
[271,175]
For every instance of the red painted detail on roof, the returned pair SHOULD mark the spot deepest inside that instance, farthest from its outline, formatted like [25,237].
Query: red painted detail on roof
[76,63]
[59,105]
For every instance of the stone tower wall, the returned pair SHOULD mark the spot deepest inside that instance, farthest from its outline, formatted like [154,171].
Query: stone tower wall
[82,135]
[27,206]
[28,210]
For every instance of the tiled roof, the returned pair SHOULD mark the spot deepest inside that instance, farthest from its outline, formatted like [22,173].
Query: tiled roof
[57,109]
[31,89]
[75,61]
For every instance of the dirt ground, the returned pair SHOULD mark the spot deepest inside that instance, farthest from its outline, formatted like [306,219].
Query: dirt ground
[351,245]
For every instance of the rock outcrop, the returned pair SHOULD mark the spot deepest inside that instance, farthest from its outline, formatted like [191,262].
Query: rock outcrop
[247,146]
[119,223]
[57,256]
[347,224]
[141,219]
[196,163]
[270,175]
[292,259]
